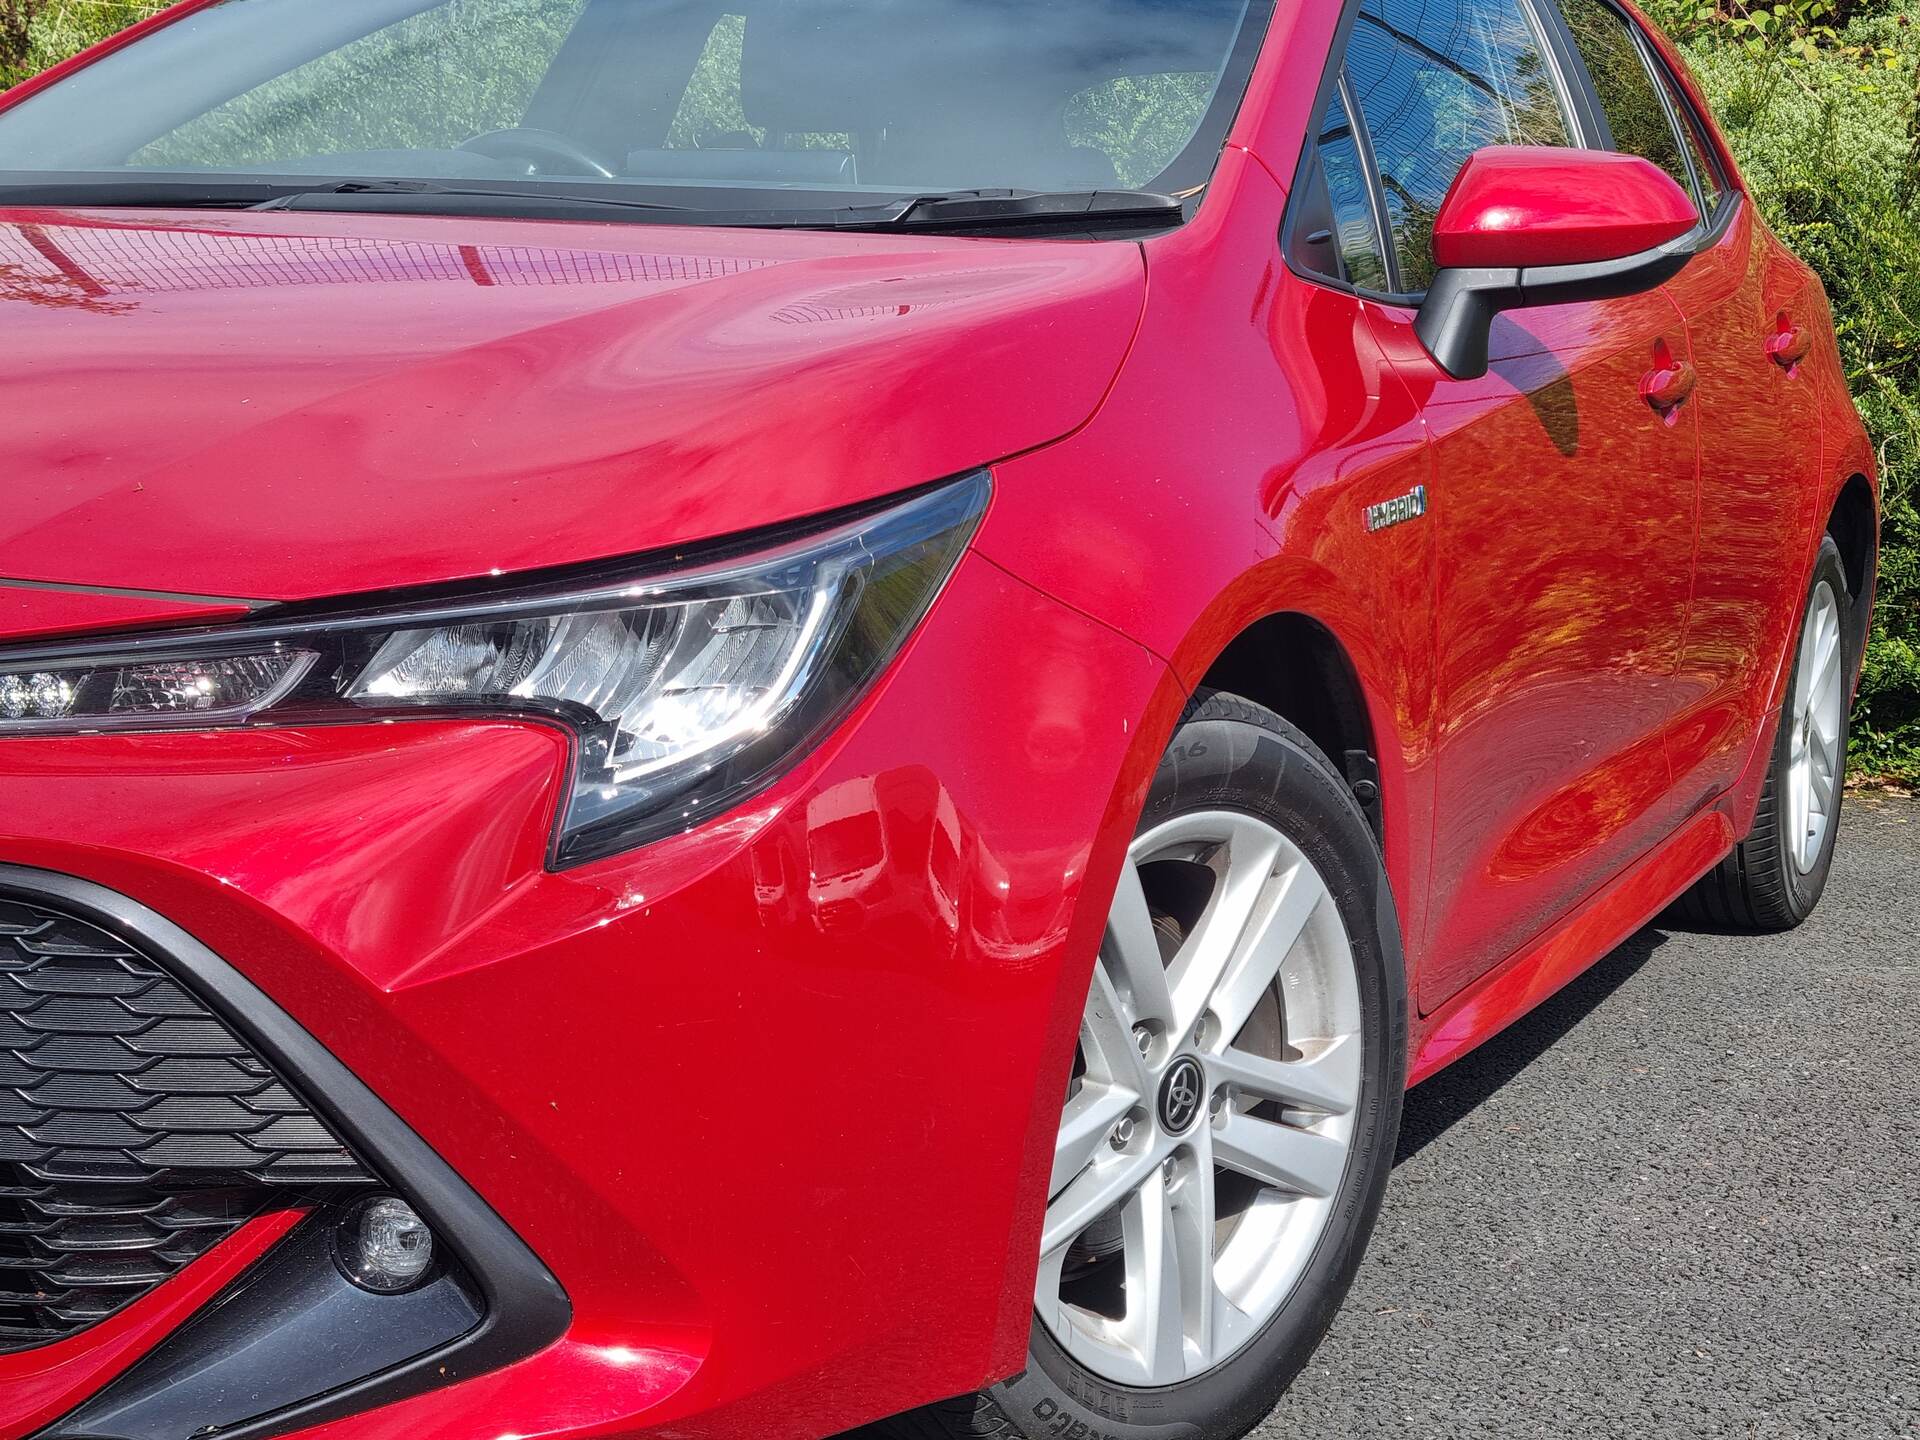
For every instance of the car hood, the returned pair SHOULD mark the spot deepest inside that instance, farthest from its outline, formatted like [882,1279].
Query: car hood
[283,407]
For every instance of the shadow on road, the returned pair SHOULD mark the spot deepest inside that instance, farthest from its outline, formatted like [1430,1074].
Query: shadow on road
[1436,1106]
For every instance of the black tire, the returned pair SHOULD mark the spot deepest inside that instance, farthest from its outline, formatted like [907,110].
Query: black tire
[1231,754]
[1758,889]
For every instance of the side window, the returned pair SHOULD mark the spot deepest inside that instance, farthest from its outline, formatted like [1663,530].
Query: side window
[1356,238]
[1705,169]
[1635,111]
[1437,80]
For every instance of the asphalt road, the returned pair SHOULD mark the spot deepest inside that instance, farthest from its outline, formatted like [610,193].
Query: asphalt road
[1680,1200]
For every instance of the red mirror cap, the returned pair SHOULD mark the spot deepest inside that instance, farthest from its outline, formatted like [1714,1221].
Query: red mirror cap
[1516,206]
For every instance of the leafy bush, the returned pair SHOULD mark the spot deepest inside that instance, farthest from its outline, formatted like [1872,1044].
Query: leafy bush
[1820,100]
[37,33]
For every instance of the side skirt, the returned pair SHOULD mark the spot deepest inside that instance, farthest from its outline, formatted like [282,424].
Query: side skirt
[1539,972]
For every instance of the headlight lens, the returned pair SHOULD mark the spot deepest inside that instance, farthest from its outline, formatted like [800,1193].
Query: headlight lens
[98,696]
[687,690]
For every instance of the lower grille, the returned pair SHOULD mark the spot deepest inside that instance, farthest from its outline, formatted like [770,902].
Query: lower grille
[137,1130]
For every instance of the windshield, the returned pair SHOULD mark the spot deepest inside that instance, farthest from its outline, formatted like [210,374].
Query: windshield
[755,105]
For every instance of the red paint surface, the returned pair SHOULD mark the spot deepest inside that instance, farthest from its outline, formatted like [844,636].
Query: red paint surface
[37,612]
[335,404]
[1513,206]
[1570,668]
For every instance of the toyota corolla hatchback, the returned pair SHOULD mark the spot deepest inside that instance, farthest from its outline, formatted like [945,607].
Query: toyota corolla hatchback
[726,718]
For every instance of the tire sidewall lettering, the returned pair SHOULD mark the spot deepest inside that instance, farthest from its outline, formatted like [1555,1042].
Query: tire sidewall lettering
[1056,1421]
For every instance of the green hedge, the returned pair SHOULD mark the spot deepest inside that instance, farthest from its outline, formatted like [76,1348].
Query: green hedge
[1819,100]
[37,33]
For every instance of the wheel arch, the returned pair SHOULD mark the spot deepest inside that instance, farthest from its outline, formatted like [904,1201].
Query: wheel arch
[1298,668]
[1854,524]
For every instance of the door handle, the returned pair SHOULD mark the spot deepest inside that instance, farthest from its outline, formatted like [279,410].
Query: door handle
[1667,388]
[1789,345]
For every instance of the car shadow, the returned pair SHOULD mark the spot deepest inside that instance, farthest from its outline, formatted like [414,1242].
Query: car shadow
[1435,1106]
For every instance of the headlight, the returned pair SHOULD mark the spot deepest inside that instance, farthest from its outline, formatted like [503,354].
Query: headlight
[687,689]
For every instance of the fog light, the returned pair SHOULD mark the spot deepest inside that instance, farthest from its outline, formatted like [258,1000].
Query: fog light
[384,1246]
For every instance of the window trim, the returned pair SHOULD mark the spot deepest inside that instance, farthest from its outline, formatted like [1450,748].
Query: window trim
[1696,142]
[1332,77]
[1334,80]
[1587,119]
[1667,86]
[1673,95]
[1369,174]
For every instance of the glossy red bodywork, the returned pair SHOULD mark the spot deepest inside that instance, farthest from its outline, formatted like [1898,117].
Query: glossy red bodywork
[1512,206]
[336,404]
[775,1100]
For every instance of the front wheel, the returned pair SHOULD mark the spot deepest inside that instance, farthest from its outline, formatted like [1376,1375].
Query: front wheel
[1233,1107]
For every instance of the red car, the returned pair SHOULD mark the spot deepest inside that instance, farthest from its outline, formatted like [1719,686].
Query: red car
[719,720]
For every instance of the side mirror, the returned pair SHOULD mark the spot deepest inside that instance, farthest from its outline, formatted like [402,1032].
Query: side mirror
[1535,225]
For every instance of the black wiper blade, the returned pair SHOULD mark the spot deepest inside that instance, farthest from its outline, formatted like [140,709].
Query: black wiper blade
[435,195]
[83,193]
[330,193]
[964,210]
[972,209]
[961,210]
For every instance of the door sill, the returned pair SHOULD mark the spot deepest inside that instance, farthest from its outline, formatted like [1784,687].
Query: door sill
[1563,954]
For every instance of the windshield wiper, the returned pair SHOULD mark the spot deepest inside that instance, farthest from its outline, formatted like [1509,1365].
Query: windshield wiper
[159,194]
[347,193]
[514,203]
[983,209]
[200,194]
[962,211]
[959,210]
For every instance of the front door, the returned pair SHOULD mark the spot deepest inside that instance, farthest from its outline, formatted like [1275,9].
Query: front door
[1565,507]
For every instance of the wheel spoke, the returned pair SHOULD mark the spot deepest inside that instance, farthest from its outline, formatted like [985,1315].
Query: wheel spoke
[1132,952]
[1799,788]
[1106,1035]
[1826,655]
[1826,728]
[1275,929]
[1086,1127]
[1280,1155]
[1240,907]
[1171,1296]
[1823,786]
[1046,1285]
[1826,675]
[1326,1080]
[1804,666]
[1833,754]
[1110,1179]
[1154,1326]
[1193,1226]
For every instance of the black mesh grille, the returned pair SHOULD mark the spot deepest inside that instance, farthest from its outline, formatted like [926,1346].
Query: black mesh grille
[136,1129]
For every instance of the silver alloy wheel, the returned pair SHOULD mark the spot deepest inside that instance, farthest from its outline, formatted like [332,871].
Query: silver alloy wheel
[1816,760]
[1175,1232]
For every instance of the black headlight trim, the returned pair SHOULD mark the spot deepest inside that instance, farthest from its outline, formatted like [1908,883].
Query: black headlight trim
[918,538]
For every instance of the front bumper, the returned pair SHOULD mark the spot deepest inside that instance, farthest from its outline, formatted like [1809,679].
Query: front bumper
[772,1101]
